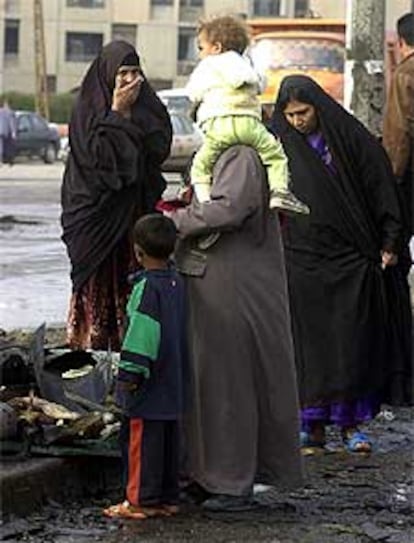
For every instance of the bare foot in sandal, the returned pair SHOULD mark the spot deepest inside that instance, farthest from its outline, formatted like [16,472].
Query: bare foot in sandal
[125,510]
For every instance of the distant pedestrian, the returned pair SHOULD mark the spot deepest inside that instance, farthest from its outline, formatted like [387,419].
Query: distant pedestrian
[119,134]
[398,129]
[349,302]
[150,380]
[7,133]
[225,88]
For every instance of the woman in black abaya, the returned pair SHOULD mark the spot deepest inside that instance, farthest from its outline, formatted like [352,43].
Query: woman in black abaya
[119,135]
[349,302]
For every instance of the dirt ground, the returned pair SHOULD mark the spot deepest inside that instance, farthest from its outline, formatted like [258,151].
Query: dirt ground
[346,499]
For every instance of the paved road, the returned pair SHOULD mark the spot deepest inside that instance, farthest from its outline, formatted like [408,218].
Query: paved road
[34,272]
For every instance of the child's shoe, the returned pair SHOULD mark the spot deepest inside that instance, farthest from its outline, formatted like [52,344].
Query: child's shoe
[287,202]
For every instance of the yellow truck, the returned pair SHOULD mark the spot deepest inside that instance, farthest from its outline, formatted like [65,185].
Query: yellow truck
[315,47]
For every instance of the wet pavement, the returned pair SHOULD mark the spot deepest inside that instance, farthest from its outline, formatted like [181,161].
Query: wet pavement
[34,272]
[346,499]
[34,276]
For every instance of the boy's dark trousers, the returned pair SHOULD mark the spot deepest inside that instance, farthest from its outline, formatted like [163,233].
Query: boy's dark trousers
[150,457]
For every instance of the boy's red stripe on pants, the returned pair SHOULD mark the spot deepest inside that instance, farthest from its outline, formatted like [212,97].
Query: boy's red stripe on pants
[136,427]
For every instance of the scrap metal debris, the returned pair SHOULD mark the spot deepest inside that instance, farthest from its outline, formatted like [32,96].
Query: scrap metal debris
[56,397]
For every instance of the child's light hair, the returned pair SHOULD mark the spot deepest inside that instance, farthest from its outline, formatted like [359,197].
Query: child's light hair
[229,30]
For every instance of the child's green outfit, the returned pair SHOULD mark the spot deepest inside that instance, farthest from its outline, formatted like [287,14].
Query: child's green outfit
[226,86]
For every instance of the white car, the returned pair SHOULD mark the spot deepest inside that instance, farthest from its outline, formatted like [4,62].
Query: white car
[187,139]
[64,149]
[175,100]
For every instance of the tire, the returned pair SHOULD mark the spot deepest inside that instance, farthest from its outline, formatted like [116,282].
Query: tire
[49,154]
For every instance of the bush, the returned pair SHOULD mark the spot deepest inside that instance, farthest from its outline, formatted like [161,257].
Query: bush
[17,100]
[60,105]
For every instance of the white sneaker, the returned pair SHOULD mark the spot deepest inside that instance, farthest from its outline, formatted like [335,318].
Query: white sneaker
[287,201]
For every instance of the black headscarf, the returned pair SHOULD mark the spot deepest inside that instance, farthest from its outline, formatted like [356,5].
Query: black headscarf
[362,168]
[113,171]
[354,215]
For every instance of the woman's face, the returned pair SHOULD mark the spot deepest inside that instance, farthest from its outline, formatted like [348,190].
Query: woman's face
[301,116]
[125,75]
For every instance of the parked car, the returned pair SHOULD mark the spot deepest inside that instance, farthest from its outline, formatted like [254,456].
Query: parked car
[64,149]
[35,137]
[176,100]
[187,139]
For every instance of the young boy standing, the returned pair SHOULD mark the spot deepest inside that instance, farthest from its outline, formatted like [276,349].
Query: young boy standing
[149,386]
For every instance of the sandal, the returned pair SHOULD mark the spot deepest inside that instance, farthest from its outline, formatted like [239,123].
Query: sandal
[125,510]
[356,442]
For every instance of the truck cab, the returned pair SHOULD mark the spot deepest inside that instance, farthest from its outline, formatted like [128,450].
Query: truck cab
[313,47]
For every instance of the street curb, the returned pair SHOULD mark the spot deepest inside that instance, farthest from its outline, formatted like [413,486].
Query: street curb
[28,484]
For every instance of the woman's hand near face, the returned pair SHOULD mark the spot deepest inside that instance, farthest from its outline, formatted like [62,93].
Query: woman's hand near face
[125,94]
[388,259]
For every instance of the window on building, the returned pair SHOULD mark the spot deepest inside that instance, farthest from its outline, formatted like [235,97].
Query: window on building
[301,8]
[192,3]
[187,44]
[187,50]
[11,37]
[125,32]
[51,84]
[162,2]
[265,8]
[85,3]
[82,47]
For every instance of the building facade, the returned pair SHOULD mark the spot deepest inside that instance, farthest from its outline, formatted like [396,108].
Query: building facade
[163,32]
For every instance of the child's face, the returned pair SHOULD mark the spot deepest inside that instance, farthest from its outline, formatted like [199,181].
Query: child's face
[206,48]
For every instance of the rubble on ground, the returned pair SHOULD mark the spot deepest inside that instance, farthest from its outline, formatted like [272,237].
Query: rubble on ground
[54,400]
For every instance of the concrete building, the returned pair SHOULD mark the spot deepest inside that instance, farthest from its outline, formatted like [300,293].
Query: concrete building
[162,30]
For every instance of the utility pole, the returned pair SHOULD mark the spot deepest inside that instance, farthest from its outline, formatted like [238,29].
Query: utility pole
[41,94]
[2,36]
[364,66]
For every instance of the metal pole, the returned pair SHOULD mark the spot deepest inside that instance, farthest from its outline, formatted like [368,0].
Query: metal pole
[2,35]
[364,66]
[41,96]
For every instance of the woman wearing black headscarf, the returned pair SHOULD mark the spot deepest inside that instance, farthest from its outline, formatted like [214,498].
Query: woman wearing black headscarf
[349,302]
[119,135]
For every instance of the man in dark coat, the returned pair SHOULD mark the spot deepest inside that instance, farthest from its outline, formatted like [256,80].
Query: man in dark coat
[398,130]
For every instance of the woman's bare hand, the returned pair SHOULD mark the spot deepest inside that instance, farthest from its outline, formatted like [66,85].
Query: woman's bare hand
[125,94]
[388,259]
